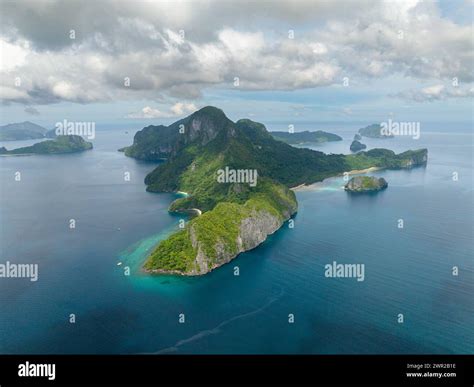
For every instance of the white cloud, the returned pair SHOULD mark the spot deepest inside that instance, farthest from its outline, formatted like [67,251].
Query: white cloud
[242,43]
[432,91]
[347,111]
[222,40]
[180,108]
[147,112]
[318,48]
[437,92]
[176,110]
[12,55]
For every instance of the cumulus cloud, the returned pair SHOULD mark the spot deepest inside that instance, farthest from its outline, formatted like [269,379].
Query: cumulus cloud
[163,51]
[47,23]
[176,110]
[437,92]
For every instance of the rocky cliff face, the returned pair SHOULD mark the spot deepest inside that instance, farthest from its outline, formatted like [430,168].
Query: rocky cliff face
[253,230]
[361,184]
[203,128]
[164,142]
[414,158]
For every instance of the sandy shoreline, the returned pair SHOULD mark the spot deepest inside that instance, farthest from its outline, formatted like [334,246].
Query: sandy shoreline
[197,211]
[304,187]
[17,154]
[367,170]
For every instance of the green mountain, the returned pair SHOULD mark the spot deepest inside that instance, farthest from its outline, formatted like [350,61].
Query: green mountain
[62,144]
[373,131]
[201,152]
[306,137]
[161,142]
[21,131]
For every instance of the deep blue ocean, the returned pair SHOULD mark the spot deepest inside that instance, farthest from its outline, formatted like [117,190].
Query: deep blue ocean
[407,271]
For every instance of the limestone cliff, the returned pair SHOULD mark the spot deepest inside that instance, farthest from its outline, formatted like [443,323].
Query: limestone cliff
[253,230]
[360,184]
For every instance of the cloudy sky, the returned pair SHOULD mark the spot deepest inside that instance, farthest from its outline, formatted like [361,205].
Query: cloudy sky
[130,63]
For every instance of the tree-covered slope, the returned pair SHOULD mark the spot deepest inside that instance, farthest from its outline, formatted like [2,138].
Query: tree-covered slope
[218,235]
[236,215]
[306,137]
[162,142]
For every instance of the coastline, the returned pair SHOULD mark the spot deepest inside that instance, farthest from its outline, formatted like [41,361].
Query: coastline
[196,211]
[316,185]
[17,154]
[366,170]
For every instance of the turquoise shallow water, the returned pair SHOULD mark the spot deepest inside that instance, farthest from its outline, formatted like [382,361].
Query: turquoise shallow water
[406,270]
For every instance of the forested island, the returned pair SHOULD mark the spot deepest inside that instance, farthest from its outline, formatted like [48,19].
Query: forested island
[22,131]
[61,144]
[356,146]
[306,137]
[361,184]
[236,216]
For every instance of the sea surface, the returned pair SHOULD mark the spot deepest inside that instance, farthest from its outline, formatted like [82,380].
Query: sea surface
[82,270]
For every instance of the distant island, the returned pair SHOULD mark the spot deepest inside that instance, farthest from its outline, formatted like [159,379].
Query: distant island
[373,131]
[61,144]
[209,157]
[306,137]
[356,146]
[361,184]
[22,131]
